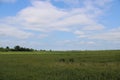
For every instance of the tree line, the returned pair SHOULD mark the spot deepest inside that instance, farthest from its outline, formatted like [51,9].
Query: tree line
[16,48]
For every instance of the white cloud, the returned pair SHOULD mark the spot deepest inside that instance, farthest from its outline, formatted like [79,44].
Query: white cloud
[94,27]
[75,42]
[43,36]
[79,32]
[44,17]
[40,16]
[6,30]
[111,35]
[87,43]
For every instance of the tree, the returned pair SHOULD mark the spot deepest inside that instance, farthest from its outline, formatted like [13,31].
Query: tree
[7,48]
[17,48]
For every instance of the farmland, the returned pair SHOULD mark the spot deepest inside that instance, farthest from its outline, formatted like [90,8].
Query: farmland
[60,65]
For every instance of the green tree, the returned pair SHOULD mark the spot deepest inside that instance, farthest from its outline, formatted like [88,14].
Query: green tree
[7,48]
[17,48]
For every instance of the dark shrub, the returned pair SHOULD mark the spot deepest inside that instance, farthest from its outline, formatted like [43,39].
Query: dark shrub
[62,60]
[71,60]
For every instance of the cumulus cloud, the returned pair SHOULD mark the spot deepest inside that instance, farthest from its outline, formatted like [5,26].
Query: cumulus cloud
[80,34]
[111,35]
[75,42]
[6,30]
[43,16]
[43,36]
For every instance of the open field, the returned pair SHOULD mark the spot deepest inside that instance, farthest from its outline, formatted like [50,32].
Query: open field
[58,65]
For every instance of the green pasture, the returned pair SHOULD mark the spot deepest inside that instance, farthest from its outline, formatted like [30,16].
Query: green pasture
[60,65]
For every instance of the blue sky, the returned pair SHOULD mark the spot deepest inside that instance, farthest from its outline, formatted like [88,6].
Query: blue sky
[60,24]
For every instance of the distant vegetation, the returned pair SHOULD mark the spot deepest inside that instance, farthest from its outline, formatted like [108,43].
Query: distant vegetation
[16,48]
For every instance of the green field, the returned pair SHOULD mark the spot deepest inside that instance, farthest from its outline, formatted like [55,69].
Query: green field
[60,65]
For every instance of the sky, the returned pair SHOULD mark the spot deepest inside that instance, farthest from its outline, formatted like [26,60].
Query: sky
[60,24]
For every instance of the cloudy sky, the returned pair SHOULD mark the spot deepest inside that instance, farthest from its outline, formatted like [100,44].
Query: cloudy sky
[60,24]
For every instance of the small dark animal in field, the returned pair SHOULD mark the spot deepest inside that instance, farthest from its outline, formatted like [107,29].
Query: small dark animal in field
[62,60]
[71,60]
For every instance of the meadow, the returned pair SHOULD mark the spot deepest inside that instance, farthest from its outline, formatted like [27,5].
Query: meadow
[60,65]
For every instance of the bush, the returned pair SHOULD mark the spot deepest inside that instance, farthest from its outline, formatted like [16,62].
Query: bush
[71,60]
[62,60]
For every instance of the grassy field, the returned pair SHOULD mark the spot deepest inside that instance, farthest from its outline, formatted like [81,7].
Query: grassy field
[58,65]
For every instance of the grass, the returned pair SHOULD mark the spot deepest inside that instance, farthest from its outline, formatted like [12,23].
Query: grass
[60,65]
